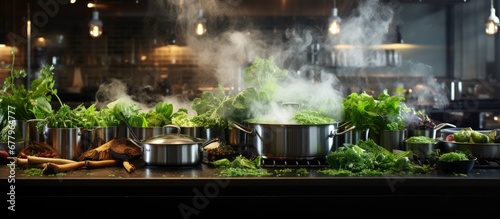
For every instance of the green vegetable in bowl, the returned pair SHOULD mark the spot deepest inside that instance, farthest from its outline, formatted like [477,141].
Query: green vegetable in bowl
[492,135]
[464,135]
[478,137]
[312,117]
[453,156]
[420,139]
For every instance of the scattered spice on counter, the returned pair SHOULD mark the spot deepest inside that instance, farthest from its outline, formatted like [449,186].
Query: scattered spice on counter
[302,172]
[239,171]
[39,172]
[33,172]
[282,172]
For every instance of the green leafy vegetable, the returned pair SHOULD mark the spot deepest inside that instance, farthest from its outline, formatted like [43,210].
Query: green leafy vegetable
[21,101]
[182,119]
[384,113]
[420,139]
[264,75]
[453,156]
[463,135]
[368,158]
[312,117]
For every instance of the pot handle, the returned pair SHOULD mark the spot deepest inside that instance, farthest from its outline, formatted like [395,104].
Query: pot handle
[441,125]
[210,141]
[291,104]
[173,126]
[342,132]
[240,127]
[35,120]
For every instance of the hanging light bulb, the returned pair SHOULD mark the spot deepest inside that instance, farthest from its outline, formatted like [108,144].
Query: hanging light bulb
[493,21]
[334,21]
[95,24]
[200,27]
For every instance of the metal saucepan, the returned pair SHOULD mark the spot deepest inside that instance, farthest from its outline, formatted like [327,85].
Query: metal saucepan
[291,141]
[431,133]
[176,150]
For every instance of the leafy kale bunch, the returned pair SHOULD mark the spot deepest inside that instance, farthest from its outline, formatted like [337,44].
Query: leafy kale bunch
[160,115]
[265,76]
[16,98]
[367,158]
[384,113]
[182,119]
[218,109]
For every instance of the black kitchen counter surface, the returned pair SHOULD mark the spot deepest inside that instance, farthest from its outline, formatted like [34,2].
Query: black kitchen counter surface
[198,191]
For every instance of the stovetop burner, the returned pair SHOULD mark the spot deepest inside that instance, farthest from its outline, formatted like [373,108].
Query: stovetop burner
[293,163]
[487,163]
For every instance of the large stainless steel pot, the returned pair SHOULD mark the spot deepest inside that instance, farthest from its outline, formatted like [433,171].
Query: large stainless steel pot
[291,141]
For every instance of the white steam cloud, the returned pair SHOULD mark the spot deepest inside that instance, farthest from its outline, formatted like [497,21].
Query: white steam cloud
[233,41]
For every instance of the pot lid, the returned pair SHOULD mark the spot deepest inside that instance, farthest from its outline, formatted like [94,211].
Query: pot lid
[173,139]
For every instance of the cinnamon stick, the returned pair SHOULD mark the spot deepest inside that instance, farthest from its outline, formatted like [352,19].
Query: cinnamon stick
[36,160]
[128,166]
[53,168]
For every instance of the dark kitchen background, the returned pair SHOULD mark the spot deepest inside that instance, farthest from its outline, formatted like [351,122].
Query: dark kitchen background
[435,52]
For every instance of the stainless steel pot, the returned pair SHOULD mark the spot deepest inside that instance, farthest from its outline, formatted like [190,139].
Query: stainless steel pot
[173,150]
[420,151]
[291,141]
[176,150]
[67,142]
[143,133]
[431,133]
[198,132]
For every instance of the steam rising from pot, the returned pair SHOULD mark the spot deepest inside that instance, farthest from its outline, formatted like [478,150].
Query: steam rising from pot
[232,42]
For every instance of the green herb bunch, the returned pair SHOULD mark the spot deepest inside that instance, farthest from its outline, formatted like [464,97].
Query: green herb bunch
[384,113]
[14,96]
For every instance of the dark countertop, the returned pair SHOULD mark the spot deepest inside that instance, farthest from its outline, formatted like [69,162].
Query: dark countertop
[202,190]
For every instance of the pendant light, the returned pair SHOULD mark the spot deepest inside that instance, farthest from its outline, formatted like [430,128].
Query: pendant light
[200,27]
[95,24]
[334,20]
[493,21]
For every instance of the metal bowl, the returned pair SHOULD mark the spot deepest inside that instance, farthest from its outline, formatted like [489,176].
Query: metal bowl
[480,150]
[462,167]
[421,150]
[446,132]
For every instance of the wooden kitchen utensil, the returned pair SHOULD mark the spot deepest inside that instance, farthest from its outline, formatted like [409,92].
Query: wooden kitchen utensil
[126,151]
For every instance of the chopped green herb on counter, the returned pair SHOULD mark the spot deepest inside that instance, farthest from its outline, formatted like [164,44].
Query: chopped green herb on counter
[39,172]
[366,158]
[240,166]
[282,172]
[33,172]
[241,171]
[302,172]
[291,172]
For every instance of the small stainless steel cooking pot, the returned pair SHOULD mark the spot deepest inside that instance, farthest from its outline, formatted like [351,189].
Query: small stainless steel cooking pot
[173,150]
[176,150]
